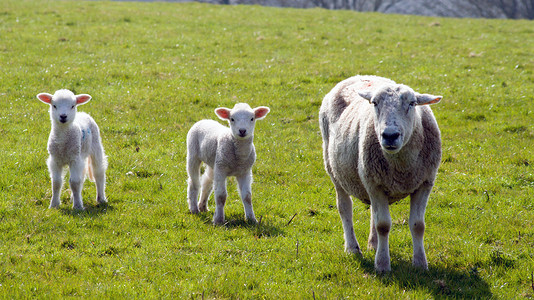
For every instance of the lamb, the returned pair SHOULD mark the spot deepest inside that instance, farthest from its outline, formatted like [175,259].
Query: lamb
[381,143]
[225,152]
[74,141]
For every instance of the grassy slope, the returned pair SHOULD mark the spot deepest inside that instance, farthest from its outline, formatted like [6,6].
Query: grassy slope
[154,69]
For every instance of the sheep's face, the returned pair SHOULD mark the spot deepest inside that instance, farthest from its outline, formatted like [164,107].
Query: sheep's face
[63,105]
[395,114]
[242,119]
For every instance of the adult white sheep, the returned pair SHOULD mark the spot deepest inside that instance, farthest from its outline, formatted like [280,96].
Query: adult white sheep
[225,152]
[74,141]
[381,143]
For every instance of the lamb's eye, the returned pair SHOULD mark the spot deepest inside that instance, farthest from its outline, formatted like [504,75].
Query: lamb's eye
[232,119]
[251,119]
[72,107]
[374,103]
[54,106]
[412,104]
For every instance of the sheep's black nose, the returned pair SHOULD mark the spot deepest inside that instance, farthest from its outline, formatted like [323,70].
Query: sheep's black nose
[63,118]
[242,132]
[390,137]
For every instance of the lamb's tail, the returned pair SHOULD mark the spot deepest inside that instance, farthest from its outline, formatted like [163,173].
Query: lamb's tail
[89,169]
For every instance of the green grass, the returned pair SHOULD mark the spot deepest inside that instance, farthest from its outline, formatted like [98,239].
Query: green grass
[154,69]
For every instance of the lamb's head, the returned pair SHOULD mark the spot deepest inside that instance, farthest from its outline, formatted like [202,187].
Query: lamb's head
[242,118]
[63,105]
[395,109]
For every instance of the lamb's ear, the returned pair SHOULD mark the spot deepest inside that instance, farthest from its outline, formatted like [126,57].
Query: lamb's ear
[260,112]
[82,99]
[45,97]
[425,99]
[367,95]
[223,113]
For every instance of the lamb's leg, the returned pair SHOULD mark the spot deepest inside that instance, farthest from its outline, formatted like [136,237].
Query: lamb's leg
[219,185]
[418,203]
[99,165]
[382,222]
[344,206]
[77,177]
[373,235]
[206,188]
[56,175]
[193,183]
[245,190]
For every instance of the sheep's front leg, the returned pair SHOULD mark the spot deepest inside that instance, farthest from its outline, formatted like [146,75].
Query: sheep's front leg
[245,190]
[219,185]
[76,182]
[382,222]
[418,201]
[344,206]
[56,175]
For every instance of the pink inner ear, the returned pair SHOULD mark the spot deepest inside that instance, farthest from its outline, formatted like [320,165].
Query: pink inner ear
[80,99]
[223,113]
[434,101]
[45,98]
[260,112]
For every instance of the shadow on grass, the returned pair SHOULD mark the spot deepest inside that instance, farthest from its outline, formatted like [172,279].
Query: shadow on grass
[91,210]
[440,282]
[260,230]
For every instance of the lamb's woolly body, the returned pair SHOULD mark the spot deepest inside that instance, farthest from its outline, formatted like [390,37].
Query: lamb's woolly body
[358,165]
[225,152]
[74,143]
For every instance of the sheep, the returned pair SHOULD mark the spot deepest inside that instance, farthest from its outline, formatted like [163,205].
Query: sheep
[225,152]
[381,143]
[75,142]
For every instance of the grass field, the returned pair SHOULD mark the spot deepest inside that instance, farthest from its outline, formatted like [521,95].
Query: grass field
[154,69]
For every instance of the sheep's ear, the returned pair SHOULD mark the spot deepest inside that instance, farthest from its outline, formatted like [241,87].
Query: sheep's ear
[425,99]
[223,113]
[260,112]
[82,99]
[45,97]
[367,95]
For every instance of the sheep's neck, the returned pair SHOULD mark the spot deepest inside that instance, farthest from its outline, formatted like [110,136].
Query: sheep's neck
[243,148]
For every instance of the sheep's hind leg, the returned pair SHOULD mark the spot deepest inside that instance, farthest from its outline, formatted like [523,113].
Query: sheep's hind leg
[193,183]
[77,169]
[56,175]
[245,191]
[99,166]
[418,203]
[373,235]
[206,188]
[344,206]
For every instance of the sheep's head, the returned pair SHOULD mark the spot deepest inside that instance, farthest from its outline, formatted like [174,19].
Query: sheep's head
[63,105]
[242,118]
[395,114]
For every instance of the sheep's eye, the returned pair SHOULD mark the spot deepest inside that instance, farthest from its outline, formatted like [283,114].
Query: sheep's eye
[374,103]
[251,119]
[54,106]
[232,119]
[72,107]
[412,104]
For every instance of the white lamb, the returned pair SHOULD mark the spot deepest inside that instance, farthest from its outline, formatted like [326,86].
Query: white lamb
[381,143]
[225,152]
[74,141]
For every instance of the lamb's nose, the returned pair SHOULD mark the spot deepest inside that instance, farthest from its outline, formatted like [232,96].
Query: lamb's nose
[242,132]
[63,118]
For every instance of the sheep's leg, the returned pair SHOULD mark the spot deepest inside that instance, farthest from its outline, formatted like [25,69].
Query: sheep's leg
[382,222]
[193,183]
[245,190]
[56,175]
[219,185]
[206,188]
[99,166]
[344,206]
[373,235]
[77,169]
[418,203]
